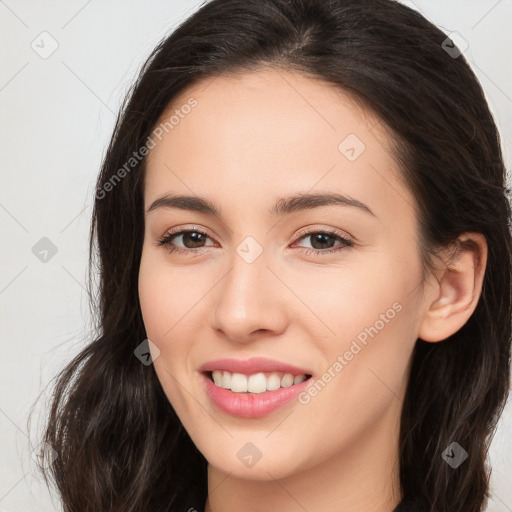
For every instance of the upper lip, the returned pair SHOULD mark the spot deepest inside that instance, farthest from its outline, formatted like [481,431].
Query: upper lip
[251,366]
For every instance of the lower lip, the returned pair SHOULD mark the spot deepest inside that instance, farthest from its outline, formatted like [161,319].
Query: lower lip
[251,405]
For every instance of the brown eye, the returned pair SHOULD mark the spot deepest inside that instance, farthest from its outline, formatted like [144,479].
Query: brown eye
[191,239]
[322,242]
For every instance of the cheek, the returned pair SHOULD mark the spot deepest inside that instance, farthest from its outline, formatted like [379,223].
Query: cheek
[365,373]
[152,299]
[162,296]
[170,306]
[353,300]
[162,306]
[372,314]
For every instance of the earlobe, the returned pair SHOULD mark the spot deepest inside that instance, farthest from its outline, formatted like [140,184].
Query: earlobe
[457,289]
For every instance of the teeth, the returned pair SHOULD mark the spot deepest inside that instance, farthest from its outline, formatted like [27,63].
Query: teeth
[256,383]
[299,378]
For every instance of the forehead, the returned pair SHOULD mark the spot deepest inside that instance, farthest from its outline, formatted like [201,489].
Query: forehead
[268,133]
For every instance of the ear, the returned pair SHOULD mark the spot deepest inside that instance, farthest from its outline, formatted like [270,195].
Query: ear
[456,289]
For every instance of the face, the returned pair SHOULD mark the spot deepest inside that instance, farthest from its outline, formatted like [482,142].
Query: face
[330,288]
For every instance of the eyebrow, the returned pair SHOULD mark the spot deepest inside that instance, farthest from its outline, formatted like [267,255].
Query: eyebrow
[283,206]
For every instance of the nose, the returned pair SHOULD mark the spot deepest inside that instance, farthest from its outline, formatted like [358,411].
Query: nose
[248,301]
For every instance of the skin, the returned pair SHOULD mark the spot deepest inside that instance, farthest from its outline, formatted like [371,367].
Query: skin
[251,139]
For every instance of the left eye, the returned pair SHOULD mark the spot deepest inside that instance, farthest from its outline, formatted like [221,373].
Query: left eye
[320,238]
[195,236]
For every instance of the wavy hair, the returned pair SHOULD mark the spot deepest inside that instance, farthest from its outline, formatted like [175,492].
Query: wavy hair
[120,445]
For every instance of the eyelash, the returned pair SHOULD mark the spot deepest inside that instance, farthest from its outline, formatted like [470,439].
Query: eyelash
[165,241]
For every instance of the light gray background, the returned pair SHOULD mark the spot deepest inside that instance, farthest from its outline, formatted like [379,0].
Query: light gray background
[57,115]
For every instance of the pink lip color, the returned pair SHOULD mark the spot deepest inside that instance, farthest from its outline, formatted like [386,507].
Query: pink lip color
[253,365]
[251,405]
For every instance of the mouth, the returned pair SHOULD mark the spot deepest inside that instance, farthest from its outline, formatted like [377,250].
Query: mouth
[253,395]
[255,383]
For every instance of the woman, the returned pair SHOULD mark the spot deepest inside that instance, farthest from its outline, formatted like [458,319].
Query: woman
[237,368]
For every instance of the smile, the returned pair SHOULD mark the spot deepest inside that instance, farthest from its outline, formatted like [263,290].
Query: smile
[257,382]
[252,404]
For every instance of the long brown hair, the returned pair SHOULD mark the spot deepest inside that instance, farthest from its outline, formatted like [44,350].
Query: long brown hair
[120,445]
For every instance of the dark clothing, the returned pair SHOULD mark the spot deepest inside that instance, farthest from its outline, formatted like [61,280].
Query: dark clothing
[196,500]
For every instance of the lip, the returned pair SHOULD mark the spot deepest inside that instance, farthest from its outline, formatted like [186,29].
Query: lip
[253,365]
[251,405]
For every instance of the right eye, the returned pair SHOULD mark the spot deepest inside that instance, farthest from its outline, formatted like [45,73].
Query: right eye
[189,237]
